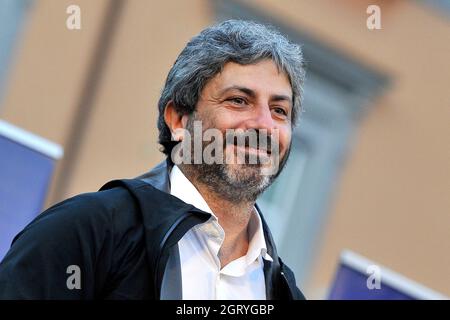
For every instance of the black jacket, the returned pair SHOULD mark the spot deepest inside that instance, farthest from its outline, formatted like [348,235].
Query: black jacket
[121,238]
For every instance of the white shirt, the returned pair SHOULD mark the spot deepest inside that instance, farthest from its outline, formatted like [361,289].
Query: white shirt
[201,272]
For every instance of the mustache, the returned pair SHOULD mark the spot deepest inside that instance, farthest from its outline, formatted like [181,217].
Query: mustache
[252,138]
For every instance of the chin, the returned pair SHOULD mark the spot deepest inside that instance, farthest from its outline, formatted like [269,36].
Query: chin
[247,176]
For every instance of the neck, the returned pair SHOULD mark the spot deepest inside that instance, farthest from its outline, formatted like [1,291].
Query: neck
[233,217]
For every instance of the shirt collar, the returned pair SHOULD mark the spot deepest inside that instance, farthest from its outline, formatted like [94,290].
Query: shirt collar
[257,245]
[183,189]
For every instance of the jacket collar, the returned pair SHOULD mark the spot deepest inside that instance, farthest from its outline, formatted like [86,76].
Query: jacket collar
[158,177]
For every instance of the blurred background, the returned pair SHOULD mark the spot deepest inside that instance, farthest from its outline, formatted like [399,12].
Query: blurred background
[370,168]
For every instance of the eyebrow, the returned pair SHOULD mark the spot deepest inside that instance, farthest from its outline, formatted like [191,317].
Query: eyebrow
[251,93]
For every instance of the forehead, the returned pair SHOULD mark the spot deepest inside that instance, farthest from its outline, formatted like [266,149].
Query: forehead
[262,77]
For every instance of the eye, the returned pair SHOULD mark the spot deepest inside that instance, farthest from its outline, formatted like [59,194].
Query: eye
[238,100]
[280,111]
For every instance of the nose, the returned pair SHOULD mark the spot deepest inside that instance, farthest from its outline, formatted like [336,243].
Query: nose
[261,118]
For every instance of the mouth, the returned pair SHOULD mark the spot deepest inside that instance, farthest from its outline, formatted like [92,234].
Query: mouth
[261,152]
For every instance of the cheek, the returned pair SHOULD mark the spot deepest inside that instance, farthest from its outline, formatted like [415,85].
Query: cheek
[223,121]
[285,137]
[208,120]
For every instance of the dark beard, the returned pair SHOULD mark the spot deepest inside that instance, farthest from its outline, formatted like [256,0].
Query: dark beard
[237,187]
[245,183]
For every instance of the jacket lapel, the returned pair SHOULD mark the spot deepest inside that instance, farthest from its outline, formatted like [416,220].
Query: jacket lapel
[271,269]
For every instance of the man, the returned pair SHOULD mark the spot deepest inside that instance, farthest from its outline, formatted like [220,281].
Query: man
[190,228]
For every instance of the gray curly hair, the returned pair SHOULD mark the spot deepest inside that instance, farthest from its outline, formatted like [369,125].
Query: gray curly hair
[242,42]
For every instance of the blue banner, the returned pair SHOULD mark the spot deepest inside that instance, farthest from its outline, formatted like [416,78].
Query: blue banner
[25,173]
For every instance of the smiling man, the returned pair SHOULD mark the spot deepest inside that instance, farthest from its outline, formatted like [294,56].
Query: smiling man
[188,229]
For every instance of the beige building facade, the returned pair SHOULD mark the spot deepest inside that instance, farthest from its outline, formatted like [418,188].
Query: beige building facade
[94,91]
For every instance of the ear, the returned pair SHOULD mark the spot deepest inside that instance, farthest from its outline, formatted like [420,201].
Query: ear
[173,118]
